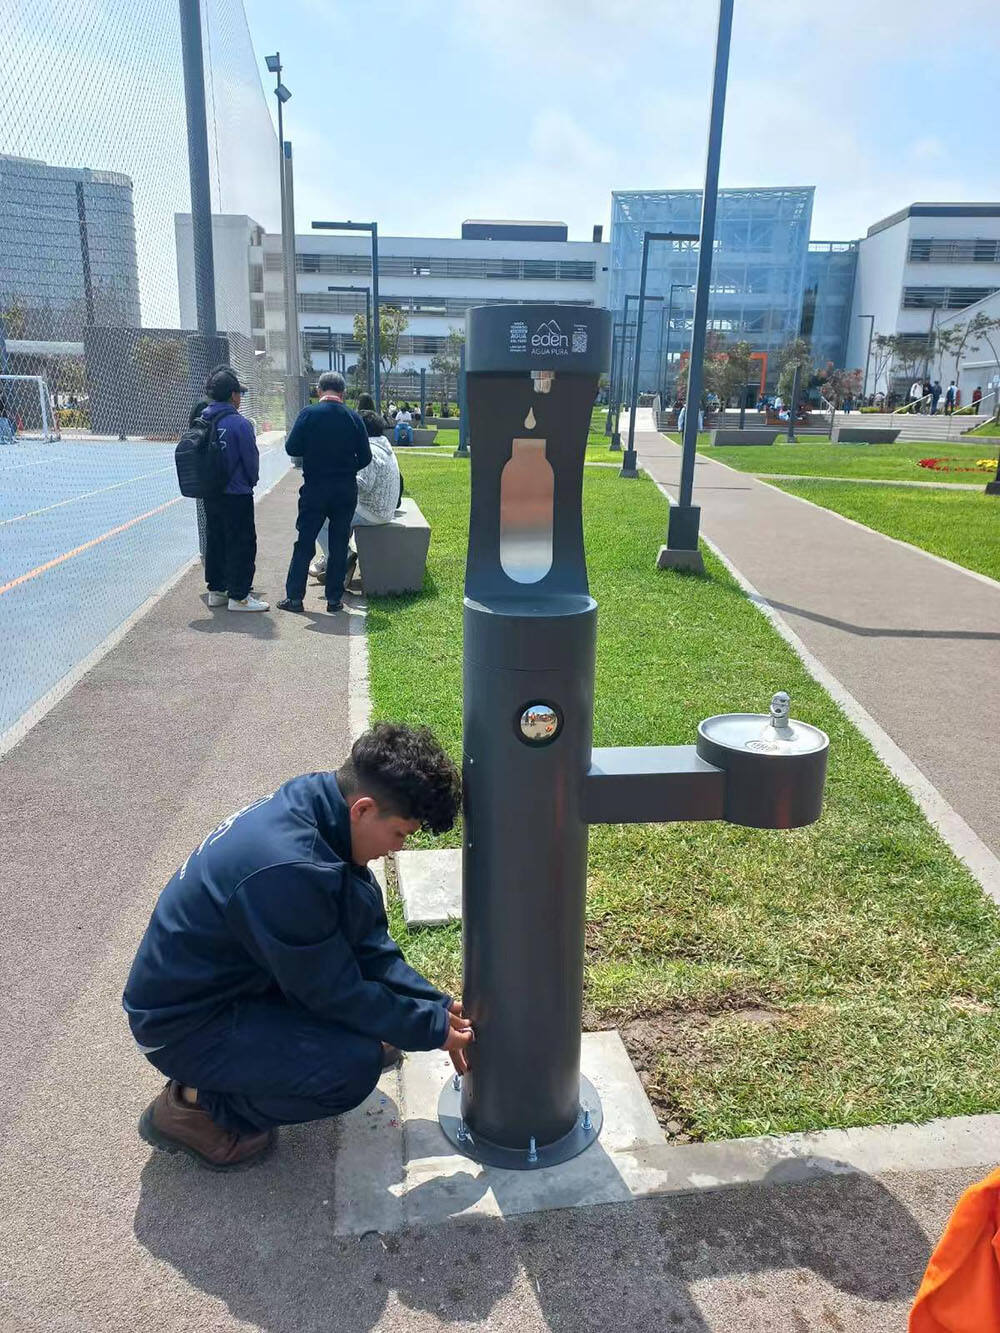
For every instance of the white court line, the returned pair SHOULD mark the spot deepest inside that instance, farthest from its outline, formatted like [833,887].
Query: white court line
[36,462]
[32,513]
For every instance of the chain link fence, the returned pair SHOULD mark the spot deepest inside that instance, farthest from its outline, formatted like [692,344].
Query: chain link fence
[98,325]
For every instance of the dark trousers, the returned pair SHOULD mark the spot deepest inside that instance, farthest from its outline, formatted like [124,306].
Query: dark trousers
[264,1062]
[230,545]
[316,505]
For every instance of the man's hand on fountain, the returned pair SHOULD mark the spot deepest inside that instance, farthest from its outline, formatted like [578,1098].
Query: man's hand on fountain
[460,1034]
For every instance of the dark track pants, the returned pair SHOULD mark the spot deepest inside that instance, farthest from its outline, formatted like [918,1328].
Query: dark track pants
[264,1062]
[230,544]
[316,505]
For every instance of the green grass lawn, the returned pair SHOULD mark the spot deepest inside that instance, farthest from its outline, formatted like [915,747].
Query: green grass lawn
[820,458]
[963,526]
[988,428]
[844,974]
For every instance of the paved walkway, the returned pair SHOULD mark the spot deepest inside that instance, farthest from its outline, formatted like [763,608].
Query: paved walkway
[914,639]
[193,714]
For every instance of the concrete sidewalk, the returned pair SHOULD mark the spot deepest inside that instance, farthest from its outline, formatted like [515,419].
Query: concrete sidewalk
[192,715]
[914,639]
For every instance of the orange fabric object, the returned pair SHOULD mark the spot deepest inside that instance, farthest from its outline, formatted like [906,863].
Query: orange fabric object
[960,1292]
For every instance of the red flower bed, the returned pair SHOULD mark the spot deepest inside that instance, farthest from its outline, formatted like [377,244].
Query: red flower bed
[945,465]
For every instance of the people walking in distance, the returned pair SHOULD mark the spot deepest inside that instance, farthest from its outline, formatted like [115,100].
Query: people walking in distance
[332,442]
[916,393]
[230,531]
[936,392]
[951,398]
[977,397]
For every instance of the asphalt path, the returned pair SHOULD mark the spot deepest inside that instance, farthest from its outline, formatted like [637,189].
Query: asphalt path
[88,532]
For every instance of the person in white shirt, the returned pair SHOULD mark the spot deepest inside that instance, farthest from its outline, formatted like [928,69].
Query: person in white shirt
[380,489]
[403,431]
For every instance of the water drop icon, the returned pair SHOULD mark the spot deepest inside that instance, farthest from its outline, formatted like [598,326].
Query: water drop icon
[529,420]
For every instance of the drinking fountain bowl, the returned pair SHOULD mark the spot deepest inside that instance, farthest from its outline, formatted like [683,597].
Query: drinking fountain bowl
[775,766]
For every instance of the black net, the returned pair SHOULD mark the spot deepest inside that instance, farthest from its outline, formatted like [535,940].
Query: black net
[100,358]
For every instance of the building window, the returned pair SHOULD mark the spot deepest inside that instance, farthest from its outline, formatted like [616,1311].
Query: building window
[439,266]
[943,298]
[928,250]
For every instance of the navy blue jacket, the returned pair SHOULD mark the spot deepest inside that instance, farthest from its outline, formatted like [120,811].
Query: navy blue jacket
[271,899]
[236,436]
[333,444]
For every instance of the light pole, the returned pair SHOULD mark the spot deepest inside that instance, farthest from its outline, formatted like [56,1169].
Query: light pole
[322,328]
[871,334]
[368,324]
[292,367]
[670,315]
[628,462]
[205,348]
[681,550]
[372,228]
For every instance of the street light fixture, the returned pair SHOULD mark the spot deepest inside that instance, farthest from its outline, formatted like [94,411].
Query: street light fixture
[368,323]
[628,461]
[292,366]
[670,315]
[871,334]
[371,227]
[681,549]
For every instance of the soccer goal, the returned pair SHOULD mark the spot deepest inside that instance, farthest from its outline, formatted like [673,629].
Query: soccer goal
[26,408]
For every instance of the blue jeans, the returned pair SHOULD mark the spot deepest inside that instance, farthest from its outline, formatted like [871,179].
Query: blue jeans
[404,433]
[264,1062]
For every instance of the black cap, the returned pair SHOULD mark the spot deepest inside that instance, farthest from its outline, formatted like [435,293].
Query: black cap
[222,383]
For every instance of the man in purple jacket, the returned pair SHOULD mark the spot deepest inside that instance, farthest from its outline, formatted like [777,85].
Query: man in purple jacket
[230,533]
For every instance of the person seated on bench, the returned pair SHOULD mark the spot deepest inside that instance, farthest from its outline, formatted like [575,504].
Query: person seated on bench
[404,425]
[267,987]
[380,489]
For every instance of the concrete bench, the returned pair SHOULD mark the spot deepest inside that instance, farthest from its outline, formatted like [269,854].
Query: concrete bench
[864,435]
[421,436]
[746,436]
[392,556]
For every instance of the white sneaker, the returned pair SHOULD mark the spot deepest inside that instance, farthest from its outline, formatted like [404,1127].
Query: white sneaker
[317,567]
[249,604]
[217,598]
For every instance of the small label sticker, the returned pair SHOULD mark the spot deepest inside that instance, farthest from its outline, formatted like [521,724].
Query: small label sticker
[519,336]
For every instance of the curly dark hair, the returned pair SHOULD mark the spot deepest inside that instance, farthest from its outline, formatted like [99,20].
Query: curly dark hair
[407,772]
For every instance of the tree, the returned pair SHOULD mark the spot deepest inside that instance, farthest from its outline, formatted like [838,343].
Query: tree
[392,324]
[797,353]
[884,351]
[839,385]
[164,360]
[15,319]
[447,360]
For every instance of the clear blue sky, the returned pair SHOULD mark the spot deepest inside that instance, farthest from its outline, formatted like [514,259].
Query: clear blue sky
[423,112]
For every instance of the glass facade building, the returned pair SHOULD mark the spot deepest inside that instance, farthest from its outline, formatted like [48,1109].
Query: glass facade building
[67,250]
[758,277]
[826,305]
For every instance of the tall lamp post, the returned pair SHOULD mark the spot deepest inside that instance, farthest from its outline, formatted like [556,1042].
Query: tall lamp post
[681,550]
[670,315]
[628,468]
[372,228]
[868,357]
[624,374]
[368,324]
[322,328]
[292,360]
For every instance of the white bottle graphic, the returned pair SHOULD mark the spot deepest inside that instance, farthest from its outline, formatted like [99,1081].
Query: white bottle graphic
[527,489]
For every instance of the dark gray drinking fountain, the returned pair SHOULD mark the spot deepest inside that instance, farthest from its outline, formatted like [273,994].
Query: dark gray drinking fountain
[533,782]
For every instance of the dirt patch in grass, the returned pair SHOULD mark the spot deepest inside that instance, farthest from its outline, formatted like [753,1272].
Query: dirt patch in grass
[654,1040]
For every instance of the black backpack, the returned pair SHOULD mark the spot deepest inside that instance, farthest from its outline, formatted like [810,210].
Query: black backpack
[202,472]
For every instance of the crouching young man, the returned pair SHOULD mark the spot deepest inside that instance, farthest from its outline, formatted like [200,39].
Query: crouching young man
[267,987]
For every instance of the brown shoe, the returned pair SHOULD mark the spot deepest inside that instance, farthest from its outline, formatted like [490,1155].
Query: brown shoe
[392,1056]
[175,1125]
